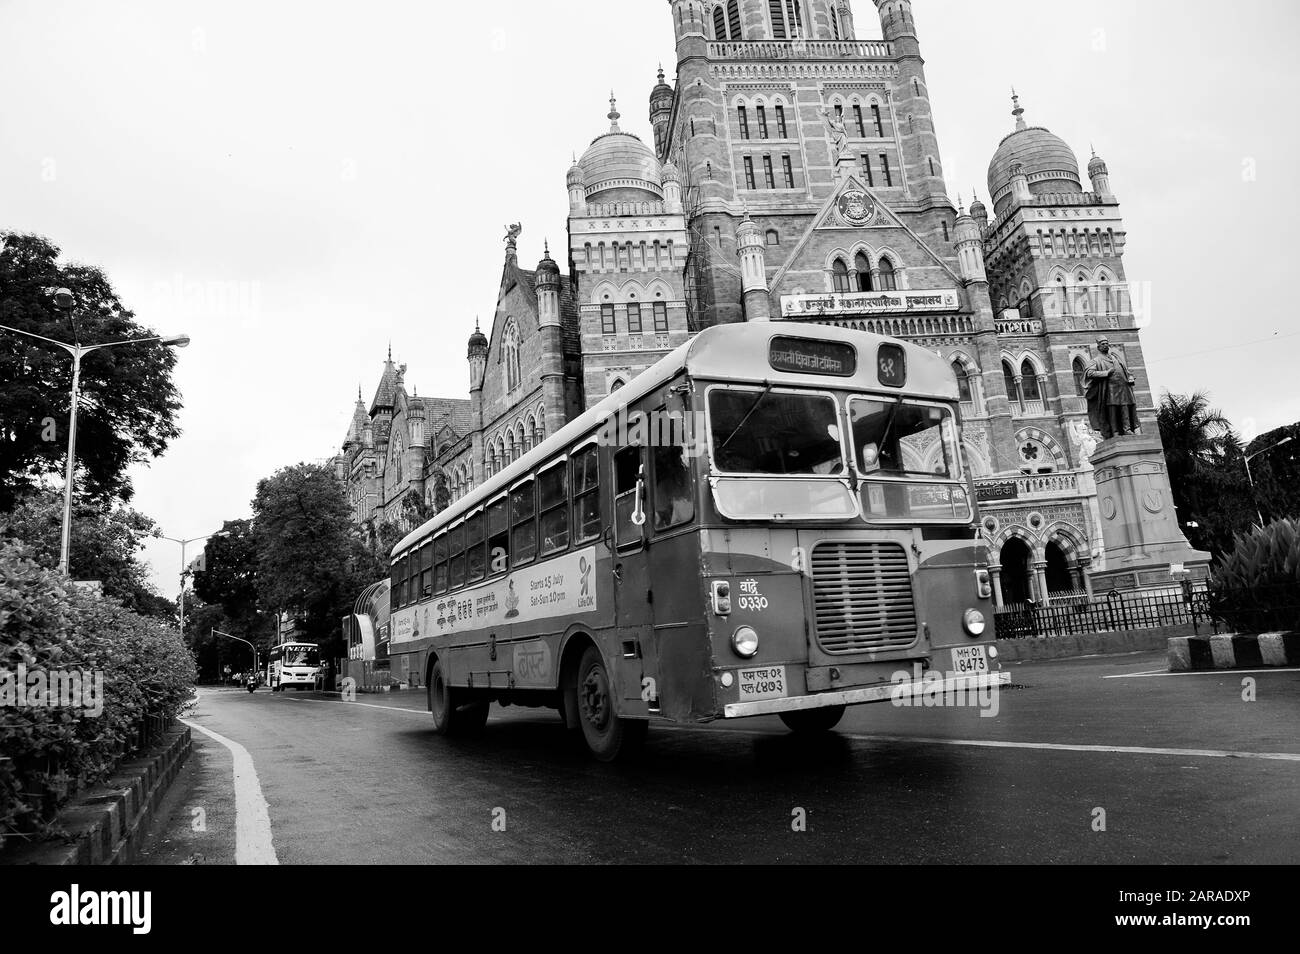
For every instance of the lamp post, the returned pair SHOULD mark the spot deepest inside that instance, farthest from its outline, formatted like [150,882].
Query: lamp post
[63,301]
[217,632]
[185,566]
[1251,480]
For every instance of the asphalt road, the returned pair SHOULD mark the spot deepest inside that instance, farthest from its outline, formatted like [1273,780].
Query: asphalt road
[1184,769]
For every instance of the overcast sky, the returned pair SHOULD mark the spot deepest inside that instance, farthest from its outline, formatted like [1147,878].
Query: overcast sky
[294,184]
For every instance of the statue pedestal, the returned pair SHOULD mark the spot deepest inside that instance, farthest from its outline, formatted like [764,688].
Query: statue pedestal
[1139,526]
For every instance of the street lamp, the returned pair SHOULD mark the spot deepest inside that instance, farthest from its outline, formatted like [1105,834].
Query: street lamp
[1251,480]
[63,301]
[185,567]
[217,632]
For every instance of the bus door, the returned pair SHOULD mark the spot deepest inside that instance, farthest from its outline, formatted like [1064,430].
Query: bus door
[630,566]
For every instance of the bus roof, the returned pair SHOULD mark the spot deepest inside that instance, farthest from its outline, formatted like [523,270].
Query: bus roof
[735,352]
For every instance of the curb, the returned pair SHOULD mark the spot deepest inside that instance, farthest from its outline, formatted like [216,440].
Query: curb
[1201,653]
[106,822]
[1090,644]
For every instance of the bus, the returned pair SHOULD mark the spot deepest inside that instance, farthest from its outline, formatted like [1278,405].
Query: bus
[293,665]
[773,519]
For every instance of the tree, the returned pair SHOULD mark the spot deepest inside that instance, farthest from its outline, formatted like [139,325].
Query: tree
[310,558]
[105,546]
[1206,471]
[1277,473]
[229,581]
[128,401]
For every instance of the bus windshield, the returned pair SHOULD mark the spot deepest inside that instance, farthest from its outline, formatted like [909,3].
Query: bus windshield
[301,656]
[907,456]
[767,431]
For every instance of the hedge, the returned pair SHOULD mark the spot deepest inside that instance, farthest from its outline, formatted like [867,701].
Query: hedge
[47,754]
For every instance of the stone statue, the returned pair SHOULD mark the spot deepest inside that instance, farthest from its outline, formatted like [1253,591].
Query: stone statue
[839,138]
[1112,406]
[512,233]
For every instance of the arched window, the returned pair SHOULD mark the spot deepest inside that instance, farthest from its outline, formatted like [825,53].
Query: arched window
[963,382]
[1009,379]
[539,427]
[618,383]
[888,277]
[1029,382]
[835,24]
[773,238]
[719,24]
[1085,304]
[863,265]
[1063,295]
[1079,386]
[1104,296]
[510,355]
[733,20]
[840,275]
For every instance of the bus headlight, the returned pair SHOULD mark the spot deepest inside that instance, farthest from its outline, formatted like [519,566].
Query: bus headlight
[744,642]
[974,623]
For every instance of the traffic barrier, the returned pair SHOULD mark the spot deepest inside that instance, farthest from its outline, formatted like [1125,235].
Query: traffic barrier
[1200,653]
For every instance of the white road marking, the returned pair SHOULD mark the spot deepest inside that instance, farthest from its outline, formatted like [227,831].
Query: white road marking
[977,743]
[366,705]
[1199,672]
[252,816]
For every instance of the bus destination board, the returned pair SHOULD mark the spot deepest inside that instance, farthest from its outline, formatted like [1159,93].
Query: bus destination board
[891,365]
[805,356]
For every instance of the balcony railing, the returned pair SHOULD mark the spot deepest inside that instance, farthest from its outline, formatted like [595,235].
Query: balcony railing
[801,50]
[1026,487]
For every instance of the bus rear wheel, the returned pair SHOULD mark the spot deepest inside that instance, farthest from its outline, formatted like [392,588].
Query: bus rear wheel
[607,736]
[812,721]
[451,714]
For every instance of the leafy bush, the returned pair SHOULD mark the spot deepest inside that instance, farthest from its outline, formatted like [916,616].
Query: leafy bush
[47,753]
[1257,586]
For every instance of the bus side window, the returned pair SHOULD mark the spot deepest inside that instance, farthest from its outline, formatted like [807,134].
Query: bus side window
[498,528]
[395,587]
[456,548]
[552,502]
[627,466]
[586,494]
[474,546]
[523,517]
[426,571]
[440,565]
[403,573]
[674,493]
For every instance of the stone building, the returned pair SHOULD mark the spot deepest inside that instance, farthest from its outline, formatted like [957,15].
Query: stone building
[796,175]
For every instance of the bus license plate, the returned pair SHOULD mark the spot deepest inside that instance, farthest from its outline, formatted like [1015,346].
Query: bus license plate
[969,661]
[757,684]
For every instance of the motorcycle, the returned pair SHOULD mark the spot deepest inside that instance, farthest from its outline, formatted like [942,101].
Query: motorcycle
[251,683]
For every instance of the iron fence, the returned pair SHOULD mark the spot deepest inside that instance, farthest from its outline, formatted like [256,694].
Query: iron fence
[1256,610]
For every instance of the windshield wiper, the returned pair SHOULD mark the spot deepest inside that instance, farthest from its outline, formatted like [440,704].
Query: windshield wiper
[748,414]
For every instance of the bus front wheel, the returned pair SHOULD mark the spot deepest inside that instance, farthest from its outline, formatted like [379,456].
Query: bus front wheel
[607,736]
[809,721]
[451,715]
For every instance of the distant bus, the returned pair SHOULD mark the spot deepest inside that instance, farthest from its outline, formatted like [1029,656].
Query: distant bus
[293,665]
[803,542]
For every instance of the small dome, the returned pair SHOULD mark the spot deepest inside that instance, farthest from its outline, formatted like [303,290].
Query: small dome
[547,271]
[477,340]
[661,92]
[619,167]
[1097,167]
[669,173]
[574,177]
[979,210]
[1049,163]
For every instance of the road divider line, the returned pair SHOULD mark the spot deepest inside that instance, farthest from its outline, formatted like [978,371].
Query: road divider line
[1199,672]
[252,815]
[365,705]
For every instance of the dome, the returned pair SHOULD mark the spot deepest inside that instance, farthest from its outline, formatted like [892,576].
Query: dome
[477,340]
[1096,167]
[547,271]
[661,92]
[619,167]
[1049,163]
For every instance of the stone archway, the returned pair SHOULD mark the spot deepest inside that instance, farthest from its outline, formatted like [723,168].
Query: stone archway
[1059,571]
[1017,560]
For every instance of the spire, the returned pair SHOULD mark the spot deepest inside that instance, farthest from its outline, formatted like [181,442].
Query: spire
[614,114]
[1018,111]
[661,72]
[390,351]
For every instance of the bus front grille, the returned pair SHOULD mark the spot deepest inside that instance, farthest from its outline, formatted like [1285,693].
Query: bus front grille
[862,597]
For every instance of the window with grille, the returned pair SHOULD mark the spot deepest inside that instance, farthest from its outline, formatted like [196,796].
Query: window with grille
[607,325]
